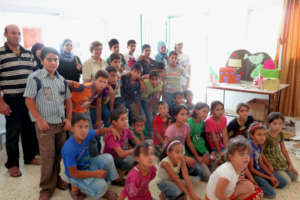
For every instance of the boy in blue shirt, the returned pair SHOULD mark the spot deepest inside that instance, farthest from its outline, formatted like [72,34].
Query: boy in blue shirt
[88,176]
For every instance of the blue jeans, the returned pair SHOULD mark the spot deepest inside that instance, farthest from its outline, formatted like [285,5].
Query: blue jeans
[131,106]
[266,186]
[201,170]
[97,187]
[170,190]
[169,98]
[145,108]
[124,164]
[97,145]
[105,115]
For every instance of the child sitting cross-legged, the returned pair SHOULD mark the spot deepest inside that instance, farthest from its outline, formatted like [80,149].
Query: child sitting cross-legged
[259,166]
[123,157]
[88,176]
[240,125]
[167,179]
[275,150]
[223,181]
[139,177]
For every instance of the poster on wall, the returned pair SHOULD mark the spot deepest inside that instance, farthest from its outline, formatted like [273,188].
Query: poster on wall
[31,36]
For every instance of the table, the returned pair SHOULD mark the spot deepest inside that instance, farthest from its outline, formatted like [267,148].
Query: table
[248,87]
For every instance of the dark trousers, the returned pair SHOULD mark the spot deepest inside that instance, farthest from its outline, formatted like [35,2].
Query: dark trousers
[51,143]
[19,123]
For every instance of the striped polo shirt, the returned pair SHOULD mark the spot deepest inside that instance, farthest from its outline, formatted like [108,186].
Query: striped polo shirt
[14,69]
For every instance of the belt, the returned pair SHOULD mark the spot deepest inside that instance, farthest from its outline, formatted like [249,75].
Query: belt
[14,95]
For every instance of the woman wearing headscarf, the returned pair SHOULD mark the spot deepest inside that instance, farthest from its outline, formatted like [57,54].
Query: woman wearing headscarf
[69,65]
[36,51]
[162,56]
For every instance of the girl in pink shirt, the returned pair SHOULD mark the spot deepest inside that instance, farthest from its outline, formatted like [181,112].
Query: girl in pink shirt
[216,128]
[139,177]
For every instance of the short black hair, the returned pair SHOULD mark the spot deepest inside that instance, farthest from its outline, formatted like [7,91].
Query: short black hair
[240,105]
[178,94]
[199,106]
[110,69]
[162,103]
[154,74]
[214,104]
[112,42]
[131,42]
[78,117]
[145,46]
[101,73]
[157,65]
[273,116]
[114,56]
[187,93]
[116,113]
[47,50]
[138,118]
[136,67]
[176,110]
[173,53]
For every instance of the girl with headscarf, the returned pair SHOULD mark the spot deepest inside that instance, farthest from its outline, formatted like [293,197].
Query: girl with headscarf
[162,56]
[69,65]
[36,51]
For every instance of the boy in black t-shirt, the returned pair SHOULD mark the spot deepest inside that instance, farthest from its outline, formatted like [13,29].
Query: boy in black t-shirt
[239,125]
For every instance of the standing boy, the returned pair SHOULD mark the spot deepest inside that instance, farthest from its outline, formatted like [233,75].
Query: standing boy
[129,57]
[150,98]
[172,82]
[46,95]
[114,48]
[83,95]
[131,86]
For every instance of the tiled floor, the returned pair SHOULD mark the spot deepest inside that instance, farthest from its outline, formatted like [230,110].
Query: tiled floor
[27,186]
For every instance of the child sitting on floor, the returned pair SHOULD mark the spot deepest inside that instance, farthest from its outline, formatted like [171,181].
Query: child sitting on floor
[167,180]
[275,151]
[123,157]
[138,179]
[240,125]
[188,95]
[201,153]
[87,175]
[215,128]
[259,166]
[222,182]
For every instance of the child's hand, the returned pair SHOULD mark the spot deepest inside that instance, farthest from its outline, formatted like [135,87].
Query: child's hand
[43,125]
[115,133]
[67,124]
[271,168]
[194,196]
[292,169]
[274,181]
[100,173]
[206,160]
[98,124]
[213,156]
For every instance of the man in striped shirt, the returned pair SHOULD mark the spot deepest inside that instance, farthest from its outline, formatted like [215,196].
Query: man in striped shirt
[16,64]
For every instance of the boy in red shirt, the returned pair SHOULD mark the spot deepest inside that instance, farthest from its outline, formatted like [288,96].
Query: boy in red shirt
[160,125]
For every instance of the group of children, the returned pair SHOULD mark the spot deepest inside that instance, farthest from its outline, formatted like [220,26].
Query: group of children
[240,161]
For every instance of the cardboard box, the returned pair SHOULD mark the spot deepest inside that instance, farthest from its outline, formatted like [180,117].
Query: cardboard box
[271,84]
[259,109]
[229,75]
